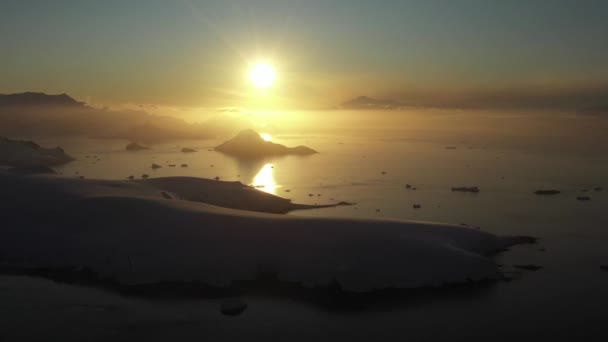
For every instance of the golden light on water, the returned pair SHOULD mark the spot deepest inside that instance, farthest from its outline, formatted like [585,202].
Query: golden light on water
[262,75]
[264,180]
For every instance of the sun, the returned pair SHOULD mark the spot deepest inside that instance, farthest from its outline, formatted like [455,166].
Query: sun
[266,136]
[262,75]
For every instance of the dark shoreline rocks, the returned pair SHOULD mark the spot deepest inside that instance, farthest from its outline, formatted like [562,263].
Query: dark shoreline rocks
[547,192]
[135,147]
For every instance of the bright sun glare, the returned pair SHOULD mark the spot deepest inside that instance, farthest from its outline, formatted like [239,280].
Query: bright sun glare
[262,75]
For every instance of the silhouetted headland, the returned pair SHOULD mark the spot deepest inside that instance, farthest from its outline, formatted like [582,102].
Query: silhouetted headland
[234,195]
[20,153]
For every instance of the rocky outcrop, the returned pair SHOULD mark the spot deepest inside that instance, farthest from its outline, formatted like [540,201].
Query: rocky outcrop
[21,153]
[135,147]
[249,144]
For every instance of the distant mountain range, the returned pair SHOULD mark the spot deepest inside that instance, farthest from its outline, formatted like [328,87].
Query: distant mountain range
[38,114]
[364,102]
[37,99]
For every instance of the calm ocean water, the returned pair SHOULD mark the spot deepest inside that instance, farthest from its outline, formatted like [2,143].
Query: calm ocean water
[570,292]
[374,172]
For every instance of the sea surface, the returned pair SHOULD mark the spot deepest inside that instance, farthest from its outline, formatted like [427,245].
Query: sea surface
[565,300]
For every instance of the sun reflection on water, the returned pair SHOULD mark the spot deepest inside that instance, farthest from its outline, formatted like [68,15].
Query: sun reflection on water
[264,180]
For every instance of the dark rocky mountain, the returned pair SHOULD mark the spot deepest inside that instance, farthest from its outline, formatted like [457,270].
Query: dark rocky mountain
[249,144]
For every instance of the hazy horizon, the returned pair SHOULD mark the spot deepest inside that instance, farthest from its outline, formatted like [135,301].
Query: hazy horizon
[190,54]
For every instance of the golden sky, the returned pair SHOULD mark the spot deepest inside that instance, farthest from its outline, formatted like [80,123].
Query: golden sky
[198,54]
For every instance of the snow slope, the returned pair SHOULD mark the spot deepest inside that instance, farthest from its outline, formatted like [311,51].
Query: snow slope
[128,231]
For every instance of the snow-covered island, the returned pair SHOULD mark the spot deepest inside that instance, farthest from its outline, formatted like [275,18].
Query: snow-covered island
[165,230]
